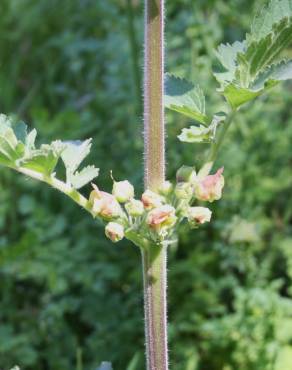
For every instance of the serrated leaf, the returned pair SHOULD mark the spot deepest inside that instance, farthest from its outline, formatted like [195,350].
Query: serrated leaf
[201,134]
[87,174]
[74,153]
[5,122]
[17,150]
[184,97]
[10,148]
[43,160]
[269,15]
[227,55]
[260,53]
[277,72]
[30,140]
[247,67]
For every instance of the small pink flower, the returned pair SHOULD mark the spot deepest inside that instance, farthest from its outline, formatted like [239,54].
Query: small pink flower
[210,187]
[104,204]
[114,231]
[163,216]
[199,215]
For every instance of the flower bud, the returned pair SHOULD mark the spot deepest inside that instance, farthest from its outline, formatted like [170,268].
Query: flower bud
[114,231]
[104,204]
[165,188]
[151,200]
[185,173]
[183,190]
[210,188]
[198,215]
[161,217]
[123,190]
[134,207]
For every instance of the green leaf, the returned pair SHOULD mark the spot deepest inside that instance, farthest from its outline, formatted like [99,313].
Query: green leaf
[237,96]
[43,160]
[250,68]
[17,150]
[30,140]
[184,97]
[73,154]
[227,56]
[201,134]
[269,15]
[10,148]
[87,174]
[277,72]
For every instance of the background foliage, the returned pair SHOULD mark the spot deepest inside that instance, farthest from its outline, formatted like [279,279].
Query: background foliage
[69,299]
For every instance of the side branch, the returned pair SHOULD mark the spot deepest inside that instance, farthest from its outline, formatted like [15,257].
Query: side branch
[57,184]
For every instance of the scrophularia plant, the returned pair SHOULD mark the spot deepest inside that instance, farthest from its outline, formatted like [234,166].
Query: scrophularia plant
[248,69]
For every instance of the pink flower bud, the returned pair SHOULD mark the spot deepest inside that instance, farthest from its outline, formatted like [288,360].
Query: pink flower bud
[210,187]
[104,204]
[199,215]
[151,200]
[123,191]
[114,231]
[163,216]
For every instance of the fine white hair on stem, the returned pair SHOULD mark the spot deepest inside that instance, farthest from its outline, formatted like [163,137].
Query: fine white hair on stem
[154,132]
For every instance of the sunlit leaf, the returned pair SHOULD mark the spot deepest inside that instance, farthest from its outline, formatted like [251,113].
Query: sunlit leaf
[251,67]
[74,153]
[200,133]
[17,150]
[184,97]
[86,175]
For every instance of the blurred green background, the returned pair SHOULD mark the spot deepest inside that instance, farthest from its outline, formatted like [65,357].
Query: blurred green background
[70,299]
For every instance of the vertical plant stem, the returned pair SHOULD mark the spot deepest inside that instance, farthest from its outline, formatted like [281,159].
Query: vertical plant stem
[154,256]
[154,274]
[153,94]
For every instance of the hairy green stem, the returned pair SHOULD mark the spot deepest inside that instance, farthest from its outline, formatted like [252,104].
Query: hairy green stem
[153,94]
[154,274]
[154,256]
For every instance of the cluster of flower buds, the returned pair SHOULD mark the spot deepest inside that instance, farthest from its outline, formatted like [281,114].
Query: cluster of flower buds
[157,213]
